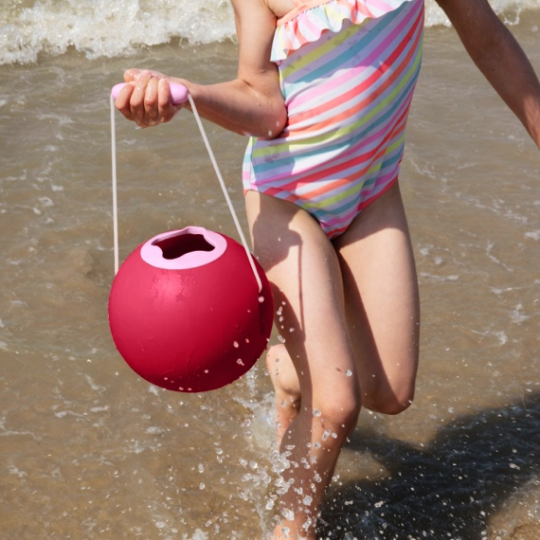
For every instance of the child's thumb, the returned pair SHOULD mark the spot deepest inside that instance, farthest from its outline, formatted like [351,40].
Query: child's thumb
[131,74]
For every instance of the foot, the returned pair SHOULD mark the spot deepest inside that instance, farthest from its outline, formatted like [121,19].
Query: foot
[286,385]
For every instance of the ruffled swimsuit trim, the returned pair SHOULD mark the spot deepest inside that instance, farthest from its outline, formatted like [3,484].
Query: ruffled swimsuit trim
[305,23]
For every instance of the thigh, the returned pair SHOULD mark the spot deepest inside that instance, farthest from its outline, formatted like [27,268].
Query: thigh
[382,303]
[305,274]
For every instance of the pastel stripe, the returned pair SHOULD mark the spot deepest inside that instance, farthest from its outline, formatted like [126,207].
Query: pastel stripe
[292,32]
[378,54]
[347,73]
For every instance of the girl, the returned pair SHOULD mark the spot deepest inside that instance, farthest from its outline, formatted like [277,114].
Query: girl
[323,90]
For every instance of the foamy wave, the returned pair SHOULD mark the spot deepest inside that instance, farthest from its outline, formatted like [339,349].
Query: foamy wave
[509,10]
[100,28]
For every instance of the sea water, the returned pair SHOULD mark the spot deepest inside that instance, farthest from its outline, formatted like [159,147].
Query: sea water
[89,450]
[98,28]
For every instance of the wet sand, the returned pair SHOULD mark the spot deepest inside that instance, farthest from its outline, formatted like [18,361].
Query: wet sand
[91,451]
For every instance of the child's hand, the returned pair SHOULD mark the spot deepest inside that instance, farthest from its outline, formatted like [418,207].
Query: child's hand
[146,99]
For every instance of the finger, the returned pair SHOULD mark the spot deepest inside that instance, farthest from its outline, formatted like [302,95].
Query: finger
[131,75]
[122,101]
[151,102]
[137,99]
[167,109]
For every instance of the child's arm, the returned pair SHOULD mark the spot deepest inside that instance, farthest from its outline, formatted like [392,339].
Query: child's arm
[250,104]
[499,57]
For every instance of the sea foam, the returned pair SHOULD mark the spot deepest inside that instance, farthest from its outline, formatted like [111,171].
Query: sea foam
[99,28]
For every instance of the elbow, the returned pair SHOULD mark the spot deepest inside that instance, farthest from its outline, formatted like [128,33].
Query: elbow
[274,124]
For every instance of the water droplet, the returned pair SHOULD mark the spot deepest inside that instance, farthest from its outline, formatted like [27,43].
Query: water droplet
[236,345]
[316,412]
[202,485]
[201,468]
[348,373]
[307,500]
[326,434]
[240,362]
[261,299]
[287,514]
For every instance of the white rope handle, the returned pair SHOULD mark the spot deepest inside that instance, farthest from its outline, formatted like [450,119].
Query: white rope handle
[224,189]
[218,174]
[114,188]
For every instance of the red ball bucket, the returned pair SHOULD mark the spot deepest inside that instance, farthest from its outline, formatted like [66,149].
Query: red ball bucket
[186,313]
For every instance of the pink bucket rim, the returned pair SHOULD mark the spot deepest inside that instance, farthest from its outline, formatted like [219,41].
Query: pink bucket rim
[152,254]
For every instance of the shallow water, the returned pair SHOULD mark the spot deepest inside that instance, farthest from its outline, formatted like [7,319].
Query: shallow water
[97,28]
[89,450]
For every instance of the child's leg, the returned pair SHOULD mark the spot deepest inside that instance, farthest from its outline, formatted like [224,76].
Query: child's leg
[286,386]
[383,313]
[304,270]
[382,316]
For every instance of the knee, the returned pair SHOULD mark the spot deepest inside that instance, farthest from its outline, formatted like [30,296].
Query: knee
[339,414]
[390,402]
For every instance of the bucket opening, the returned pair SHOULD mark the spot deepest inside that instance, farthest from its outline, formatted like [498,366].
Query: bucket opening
[176,246]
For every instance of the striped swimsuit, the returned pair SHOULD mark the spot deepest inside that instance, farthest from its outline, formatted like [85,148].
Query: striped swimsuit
[347,72]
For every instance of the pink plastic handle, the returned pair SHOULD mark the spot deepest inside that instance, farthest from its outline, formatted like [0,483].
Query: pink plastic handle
[179,93]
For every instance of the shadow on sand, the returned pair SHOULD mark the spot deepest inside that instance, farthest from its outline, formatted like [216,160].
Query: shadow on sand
[447,490]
